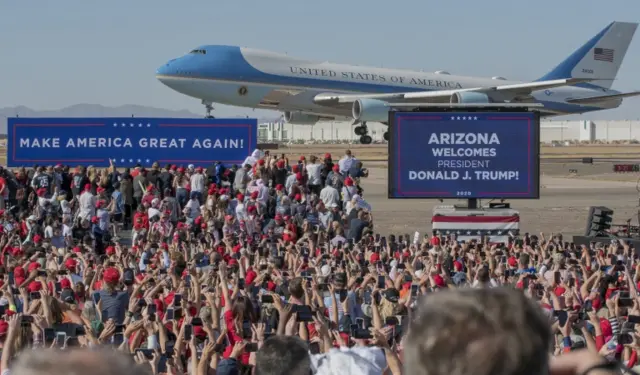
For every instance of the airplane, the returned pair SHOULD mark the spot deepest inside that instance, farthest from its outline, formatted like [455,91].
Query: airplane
[309,91]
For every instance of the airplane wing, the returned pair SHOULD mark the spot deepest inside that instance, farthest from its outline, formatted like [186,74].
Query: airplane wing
[506,92]
[600,98]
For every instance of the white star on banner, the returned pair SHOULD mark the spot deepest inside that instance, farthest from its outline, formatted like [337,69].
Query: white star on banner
[148,125]
[132,125]
[115,124]
[130,160]
[464,117]
[140,125]
[458,117]
[453,117]
[121,160]
[468,232]
[138,160]
[147,160]
[475,118]
[123,124]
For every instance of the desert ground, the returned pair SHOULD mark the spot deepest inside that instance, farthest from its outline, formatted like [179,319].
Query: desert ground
[568,188]
[565,194]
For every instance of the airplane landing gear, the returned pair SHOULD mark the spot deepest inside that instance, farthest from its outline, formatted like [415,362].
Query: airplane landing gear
[366,139]
[209,108]
[362,131]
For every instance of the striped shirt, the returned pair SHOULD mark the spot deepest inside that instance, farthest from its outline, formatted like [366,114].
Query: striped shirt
[328,302]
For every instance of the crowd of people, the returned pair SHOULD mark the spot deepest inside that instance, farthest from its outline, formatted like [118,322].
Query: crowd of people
[275,267]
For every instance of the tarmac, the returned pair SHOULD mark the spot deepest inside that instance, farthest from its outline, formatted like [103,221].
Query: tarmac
[565,198]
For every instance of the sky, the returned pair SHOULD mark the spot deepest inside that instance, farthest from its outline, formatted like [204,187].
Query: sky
[60,53]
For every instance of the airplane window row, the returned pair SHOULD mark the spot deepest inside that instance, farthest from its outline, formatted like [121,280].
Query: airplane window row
[200,51]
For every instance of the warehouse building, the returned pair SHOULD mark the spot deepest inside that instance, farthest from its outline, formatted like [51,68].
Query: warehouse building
[623,131]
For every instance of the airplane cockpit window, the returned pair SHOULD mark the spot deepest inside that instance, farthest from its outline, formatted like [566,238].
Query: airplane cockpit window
[199,51]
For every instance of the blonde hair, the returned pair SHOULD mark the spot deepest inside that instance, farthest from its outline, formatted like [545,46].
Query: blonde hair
[387,308]
[206,215]
[22,340]
[104,179]
[92,173]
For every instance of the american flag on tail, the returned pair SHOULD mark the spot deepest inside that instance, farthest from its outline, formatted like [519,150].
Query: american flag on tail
[603,54]
[467,225]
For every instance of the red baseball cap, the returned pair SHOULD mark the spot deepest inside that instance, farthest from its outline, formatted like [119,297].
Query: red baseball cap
[250,277]
[111,275]
[271,286]
[439,281]
[34,286]
[70,263]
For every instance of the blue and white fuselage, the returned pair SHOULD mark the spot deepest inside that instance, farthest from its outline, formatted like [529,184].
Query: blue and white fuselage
[309,91]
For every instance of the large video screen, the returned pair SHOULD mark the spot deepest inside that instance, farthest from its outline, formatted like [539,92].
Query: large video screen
[463,155]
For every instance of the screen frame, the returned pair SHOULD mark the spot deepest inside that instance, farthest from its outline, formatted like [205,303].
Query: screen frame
[392,151]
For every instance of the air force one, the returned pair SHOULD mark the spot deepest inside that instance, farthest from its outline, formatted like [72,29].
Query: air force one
[309,91]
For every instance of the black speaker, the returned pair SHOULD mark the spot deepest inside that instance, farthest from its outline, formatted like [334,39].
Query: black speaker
[599,221]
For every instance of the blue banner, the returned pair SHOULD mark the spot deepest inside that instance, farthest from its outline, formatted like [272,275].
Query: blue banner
[128,141]
[464,155]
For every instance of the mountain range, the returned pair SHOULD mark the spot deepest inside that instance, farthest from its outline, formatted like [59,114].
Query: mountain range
[97,110]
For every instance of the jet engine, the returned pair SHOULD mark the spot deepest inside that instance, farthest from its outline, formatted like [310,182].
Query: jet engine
[470,97]
[298,118]
[373,110]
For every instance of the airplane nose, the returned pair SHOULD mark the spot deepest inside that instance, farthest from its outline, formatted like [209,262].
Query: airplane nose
[167,69]
[164,70]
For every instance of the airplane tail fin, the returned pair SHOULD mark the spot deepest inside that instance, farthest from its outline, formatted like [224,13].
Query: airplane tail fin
[599,58]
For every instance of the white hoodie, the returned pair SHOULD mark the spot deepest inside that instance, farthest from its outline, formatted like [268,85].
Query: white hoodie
[354,361]
[253,158]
